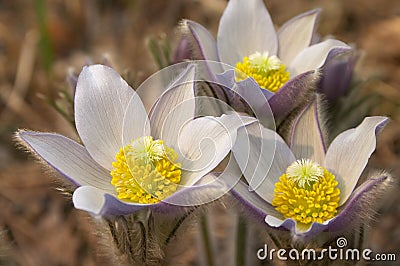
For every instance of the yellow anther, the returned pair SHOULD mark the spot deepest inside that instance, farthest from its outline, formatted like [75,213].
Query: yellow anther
[268,71]
[316,201]
[145,171]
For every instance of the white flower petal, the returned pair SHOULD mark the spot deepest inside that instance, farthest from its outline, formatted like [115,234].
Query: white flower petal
[306,139]
[99,202]
[273,221]
[241,191]
[301,231]
[296,34]
[135,122]
[208,189]
[314,56]
[174,108]
[89,199]
[204,143]
[349,152]
[263,157]
[67,157]
[245,28]
[101,101]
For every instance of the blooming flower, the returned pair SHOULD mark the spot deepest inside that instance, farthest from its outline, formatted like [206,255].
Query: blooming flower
[129,160]
[247,41]
[305,187]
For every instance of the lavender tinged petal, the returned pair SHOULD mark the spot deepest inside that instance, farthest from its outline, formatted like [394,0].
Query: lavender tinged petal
[209,188]
[294,228]
[337,75]
[359,202]
[101,101]
[174,108]
[349,153]
[203,44]
[339,51]
[256,205]
[315,56]
[205,142]
[182,51]
[100,203]
[293,94]
[302,28]
[67,157]
[306,136]
[263,157]
[72,80]
[245,28]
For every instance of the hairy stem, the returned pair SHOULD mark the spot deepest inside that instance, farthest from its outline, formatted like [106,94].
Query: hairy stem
[206,240]
[241,242]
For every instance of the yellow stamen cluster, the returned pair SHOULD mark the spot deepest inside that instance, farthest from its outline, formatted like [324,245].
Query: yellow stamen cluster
[268,71]
[316,201]
[145,171]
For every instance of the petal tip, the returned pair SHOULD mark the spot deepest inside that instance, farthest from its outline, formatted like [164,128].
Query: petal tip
[383,121]
[88,199]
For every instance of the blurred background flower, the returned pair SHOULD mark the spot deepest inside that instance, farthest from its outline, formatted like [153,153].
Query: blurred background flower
[41,41]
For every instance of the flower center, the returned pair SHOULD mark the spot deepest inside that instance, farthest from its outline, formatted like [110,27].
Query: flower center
[145,171]
[268,71]
[307,193]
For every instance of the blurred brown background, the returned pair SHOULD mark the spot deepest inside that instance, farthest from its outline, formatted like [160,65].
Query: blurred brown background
[40,41]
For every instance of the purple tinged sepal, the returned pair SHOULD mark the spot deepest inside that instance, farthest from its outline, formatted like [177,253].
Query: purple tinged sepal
[294,94]
[361,203]
[72,80]
[337,76]
[182,51]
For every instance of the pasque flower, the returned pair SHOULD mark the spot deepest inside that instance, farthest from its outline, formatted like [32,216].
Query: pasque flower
[276,60]
[129,160]
[304,186]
